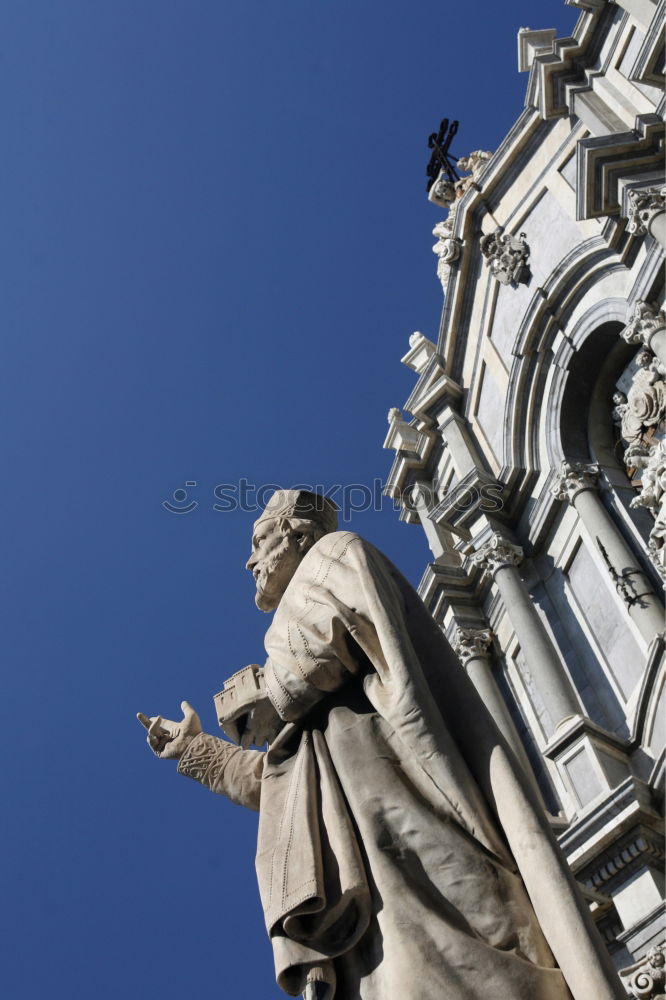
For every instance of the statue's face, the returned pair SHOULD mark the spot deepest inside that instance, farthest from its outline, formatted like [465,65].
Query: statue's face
[276,554]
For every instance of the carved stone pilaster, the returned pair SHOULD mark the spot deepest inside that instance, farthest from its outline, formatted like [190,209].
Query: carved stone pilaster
[506,256]
[646,980]
[647,321]
[644,207]
[497,553]
[574,477]
[472,643]
[448,249]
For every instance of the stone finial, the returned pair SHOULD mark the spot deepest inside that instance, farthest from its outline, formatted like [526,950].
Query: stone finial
[647,321]
[646,979]
[574,477]
[394,415]
[644,206]
[497,553]
[470,643]
[506,256]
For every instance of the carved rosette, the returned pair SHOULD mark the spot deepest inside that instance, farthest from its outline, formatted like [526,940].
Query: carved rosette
[472,643]
[506,256]
[647,321]
[646,980]
[497,553]
[644,207]
[574,477]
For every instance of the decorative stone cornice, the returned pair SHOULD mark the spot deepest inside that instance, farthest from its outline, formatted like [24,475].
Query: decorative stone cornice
[506,256]
[472,643]
[497,553]
[574,477]
[646,980]
[646,322]
[608,163]
[644,207]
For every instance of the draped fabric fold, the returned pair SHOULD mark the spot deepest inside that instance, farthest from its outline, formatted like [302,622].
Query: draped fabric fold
[316,899]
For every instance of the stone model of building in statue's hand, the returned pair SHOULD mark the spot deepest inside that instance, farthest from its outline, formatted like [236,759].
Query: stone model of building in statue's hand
[402,853]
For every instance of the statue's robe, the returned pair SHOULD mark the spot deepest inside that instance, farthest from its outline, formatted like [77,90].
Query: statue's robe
[402,852]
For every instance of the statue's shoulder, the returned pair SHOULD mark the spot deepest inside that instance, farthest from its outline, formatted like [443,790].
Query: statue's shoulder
[335,544]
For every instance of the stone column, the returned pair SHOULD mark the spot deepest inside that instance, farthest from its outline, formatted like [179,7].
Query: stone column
[578,485]
[473,648]
[499,558]
[647,327]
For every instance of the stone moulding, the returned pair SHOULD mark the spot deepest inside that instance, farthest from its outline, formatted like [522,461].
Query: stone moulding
[506,256]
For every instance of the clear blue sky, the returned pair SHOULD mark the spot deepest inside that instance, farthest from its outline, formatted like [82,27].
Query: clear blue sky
[215,244]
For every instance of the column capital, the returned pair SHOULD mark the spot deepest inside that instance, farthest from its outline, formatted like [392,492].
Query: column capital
[472,643]
[644,206]
[573,478]
[497,553]
[648,319]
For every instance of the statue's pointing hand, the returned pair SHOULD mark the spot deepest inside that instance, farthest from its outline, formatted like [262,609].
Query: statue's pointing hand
[168,739]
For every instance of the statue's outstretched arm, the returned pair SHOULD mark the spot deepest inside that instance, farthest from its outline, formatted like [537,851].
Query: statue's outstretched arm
[225,769]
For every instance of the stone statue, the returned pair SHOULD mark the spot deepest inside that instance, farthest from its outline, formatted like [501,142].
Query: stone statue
[401,851]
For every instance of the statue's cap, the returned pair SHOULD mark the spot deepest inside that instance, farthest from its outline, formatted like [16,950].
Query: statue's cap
[301,504]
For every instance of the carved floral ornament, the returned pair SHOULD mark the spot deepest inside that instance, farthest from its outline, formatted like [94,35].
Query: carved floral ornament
[641,414]
[506,256]
[644,207]
[472,643]
[646,980]
[575,477]
[647,321]
[497,553]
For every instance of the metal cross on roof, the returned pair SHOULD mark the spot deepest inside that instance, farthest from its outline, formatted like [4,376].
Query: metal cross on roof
[441,159]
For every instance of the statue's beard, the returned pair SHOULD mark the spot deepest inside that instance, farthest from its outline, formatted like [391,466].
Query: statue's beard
[269,584]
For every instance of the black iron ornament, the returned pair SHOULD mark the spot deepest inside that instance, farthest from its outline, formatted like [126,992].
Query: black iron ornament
[623,584]
[441,159]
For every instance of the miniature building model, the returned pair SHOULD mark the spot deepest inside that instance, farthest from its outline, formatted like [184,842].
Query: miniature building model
[533,454]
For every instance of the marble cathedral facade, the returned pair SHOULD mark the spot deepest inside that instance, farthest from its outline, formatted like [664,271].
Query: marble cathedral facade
[533,451]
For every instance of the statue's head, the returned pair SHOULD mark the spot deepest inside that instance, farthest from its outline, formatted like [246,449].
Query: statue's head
[291,523]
